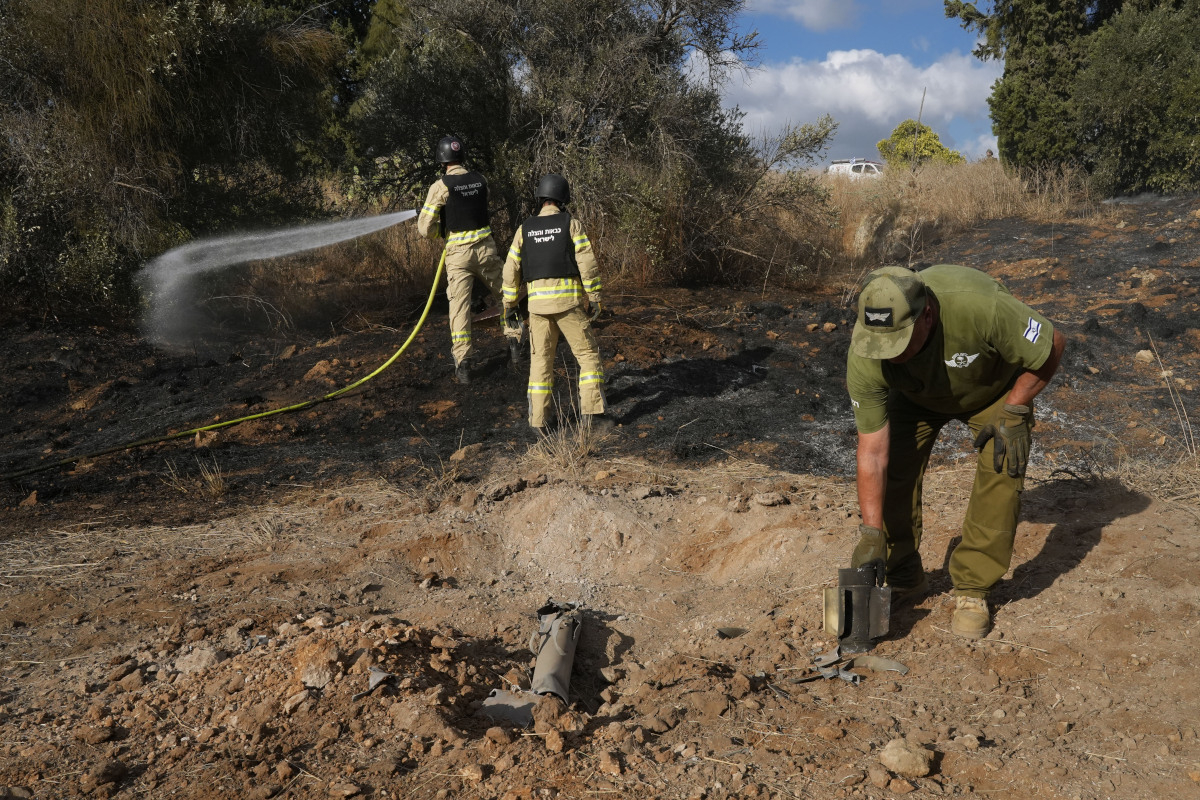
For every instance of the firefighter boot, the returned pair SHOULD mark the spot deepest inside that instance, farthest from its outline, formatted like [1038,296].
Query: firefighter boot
[462,374]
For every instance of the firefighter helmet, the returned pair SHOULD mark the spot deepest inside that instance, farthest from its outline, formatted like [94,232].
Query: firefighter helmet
[450,150]
[553,187]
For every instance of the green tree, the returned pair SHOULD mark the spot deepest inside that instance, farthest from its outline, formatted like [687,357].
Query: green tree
[602,91]
[121,116]
[1139,101]
[1041,43]
[913,143]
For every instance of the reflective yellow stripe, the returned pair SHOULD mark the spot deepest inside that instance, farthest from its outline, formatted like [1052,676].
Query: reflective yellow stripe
[591,377]
[431,211]
[592,286]
[564,288]
[581,242]
[540,388]
[511,294]
[464,237]
[514,254]
[460,336]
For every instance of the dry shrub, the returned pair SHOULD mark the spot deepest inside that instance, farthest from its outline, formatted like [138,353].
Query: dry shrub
[893,218]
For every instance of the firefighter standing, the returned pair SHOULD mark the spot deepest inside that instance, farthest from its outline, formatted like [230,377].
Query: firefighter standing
[456,208]
[551,253]
[947,343]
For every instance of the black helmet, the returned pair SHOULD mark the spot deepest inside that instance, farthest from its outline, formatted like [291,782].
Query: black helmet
[553,187]
[450,150]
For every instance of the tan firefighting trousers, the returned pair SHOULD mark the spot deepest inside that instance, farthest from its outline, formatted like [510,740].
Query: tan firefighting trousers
[576,328]
[465,263]
[989,528]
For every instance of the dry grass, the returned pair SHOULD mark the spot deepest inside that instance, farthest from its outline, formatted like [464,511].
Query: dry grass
[891,219]
[1174,478]
[209,483]
[567,448]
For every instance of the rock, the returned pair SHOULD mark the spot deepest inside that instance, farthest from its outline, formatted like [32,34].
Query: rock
[550,713]
[663,720]
[903,758]
[472,773]
[468,500]
[553,741]
[294,702]
[30,501]
[739,685]
[829,327]
[322,619]
[611,674]
[770,499]
[317,664]
[1144,356]
[737,505]
[133,681]
[849,776]
[200,659]
[878,776]
[110,771]
[468,452]
[969,741]
[498,735]
[602,475]
[900,786]
[121,670]
[500,492]
[341,789]
[94,734]
[609,763]
[829,733]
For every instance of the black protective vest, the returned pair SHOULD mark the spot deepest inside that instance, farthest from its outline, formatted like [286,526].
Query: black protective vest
[467,206]
[546,248]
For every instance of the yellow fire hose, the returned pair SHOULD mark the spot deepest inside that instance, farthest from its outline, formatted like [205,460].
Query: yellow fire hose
[217,425]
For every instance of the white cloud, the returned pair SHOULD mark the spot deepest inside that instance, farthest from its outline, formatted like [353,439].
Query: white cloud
[816,15]
[869,94]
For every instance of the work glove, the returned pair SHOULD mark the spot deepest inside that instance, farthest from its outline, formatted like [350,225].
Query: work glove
[1010,428]
[512,318]
[871,546]
[595,310]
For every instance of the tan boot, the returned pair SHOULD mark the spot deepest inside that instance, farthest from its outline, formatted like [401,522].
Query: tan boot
[971,619]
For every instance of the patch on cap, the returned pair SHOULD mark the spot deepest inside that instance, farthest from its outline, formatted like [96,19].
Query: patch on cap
[877,317]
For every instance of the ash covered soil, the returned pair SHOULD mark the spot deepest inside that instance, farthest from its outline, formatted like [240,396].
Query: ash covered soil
[168,631]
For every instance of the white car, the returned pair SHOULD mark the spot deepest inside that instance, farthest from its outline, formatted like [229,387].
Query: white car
[855,168]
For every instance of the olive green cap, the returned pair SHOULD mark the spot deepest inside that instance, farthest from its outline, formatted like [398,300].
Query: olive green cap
[888,305]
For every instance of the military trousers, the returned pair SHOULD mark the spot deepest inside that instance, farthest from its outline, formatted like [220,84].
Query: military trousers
[989,528]
[465,263]
[544,331]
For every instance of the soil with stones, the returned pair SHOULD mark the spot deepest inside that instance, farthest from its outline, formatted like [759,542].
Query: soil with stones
[205,617]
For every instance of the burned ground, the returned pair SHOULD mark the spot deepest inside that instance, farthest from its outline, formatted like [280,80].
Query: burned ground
[164,631]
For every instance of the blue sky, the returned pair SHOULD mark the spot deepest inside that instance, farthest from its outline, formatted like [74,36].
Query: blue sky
[866,64]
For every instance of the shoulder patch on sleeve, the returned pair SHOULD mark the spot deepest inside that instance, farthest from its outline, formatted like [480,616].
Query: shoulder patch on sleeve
[1033,330]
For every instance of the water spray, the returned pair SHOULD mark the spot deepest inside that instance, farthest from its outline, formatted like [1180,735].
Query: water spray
[169,270]
[166,279]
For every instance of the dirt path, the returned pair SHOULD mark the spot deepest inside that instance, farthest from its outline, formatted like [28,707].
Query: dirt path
[167,634]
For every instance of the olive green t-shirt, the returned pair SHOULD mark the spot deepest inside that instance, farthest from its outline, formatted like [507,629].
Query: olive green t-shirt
[983,339]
